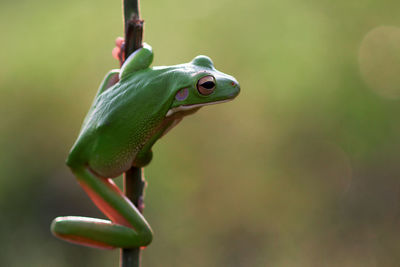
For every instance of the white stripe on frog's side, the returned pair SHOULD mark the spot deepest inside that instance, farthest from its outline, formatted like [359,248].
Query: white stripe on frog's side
[189,107]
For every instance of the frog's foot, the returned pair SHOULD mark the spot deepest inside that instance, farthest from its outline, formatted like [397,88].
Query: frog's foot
[119,51]
[97,233]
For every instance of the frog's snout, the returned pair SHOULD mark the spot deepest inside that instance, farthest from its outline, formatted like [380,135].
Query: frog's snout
[235,89]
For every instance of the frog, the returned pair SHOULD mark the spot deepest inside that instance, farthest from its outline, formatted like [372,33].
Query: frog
[134,107]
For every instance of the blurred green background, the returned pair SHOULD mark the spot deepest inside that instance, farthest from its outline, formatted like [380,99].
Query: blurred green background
[302,169]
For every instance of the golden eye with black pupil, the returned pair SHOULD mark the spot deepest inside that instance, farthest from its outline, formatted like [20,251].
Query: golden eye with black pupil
[206,85]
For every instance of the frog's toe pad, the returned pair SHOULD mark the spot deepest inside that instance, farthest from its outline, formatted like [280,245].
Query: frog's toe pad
[118,51]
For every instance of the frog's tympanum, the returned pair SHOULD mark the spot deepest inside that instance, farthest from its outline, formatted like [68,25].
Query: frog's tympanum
[134,107]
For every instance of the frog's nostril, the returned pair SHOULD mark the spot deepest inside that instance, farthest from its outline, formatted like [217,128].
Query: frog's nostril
[234,84]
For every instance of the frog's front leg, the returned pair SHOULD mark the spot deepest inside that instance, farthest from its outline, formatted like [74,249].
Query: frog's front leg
[109,80]
[127,228]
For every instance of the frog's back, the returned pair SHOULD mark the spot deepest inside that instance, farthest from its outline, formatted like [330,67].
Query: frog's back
[120,122]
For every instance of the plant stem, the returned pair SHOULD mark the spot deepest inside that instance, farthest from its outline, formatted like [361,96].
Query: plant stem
[134,185]
[130,7]
[133,27]
[134,182]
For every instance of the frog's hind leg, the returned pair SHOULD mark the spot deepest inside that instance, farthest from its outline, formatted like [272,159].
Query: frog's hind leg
[126,229]
[92,232]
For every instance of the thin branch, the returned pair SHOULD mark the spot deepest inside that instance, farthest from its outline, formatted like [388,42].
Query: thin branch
[134,183]
[133,27]
[130,7]
[133,35]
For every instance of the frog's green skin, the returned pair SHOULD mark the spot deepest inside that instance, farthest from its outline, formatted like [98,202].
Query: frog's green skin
[133,108]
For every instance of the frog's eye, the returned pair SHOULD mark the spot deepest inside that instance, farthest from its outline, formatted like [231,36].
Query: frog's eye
[206,85]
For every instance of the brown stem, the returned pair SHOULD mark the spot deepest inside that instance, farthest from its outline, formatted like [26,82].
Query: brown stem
[134,183]
[133,35]
[133,27]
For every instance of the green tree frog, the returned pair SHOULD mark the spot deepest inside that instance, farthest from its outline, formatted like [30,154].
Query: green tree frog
[134,107]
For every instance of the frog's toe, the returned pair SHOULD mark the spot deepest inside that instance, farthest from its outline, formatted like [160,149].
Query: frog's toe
[117,52]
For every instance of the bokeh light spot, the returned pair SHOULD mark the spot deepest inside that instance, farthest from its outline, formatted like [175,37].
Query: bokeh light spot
[379,59]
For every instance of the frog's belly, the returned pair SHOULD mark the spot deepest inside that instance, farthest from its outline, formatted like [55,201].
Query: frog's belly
[117,146]
[112,165]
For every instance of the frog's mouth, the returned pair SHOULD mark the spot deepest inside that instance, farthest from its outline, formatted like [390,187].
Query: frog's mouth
[194,106]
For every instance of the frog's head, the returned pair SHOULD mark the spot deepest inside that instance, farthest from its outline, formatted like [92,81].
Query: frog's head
[199,84]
